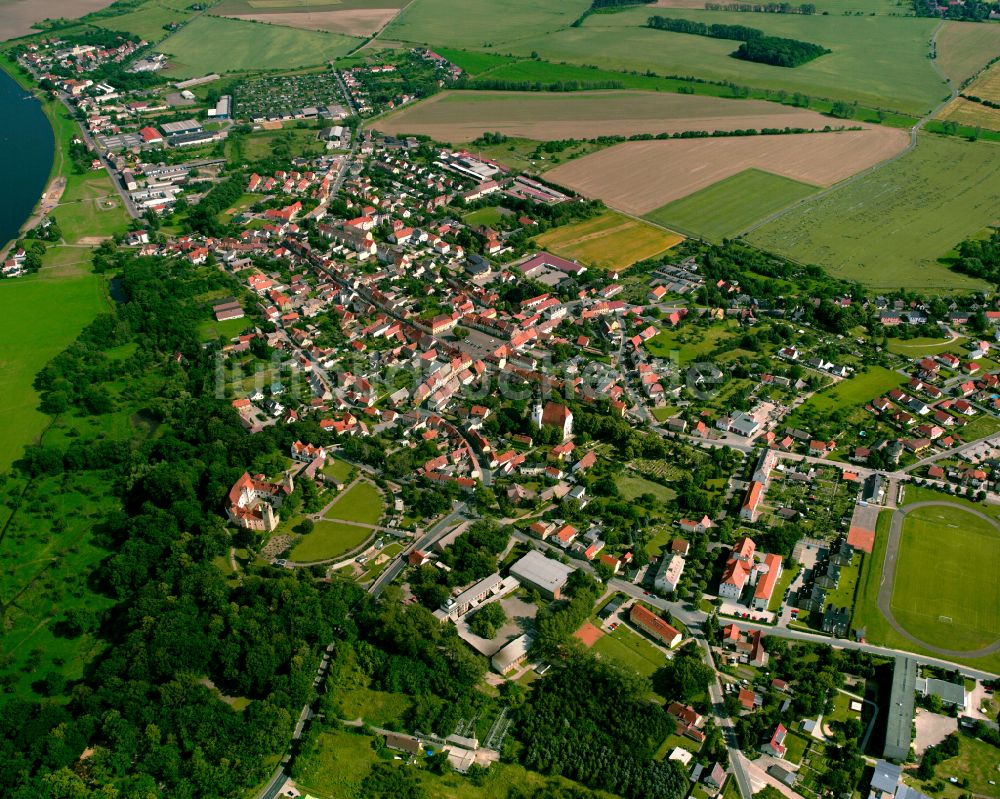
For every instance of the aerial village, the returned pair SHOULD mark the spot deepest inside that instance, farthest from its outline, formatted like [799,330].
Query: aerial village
[457,390]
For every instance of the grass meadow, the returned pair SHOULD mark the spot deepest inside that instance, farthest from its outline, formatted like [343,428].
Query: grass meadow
[630,649]
[608,241]
[213,44]
[632,487]
[729,206]
[875,60]
[855,392]
[964,48]
[956,553]
[329,540]
[928,200]
[361,503]
[148,21]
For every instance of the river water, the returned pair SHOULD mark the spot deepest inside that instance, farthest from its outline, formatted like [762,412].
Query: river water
[26,151]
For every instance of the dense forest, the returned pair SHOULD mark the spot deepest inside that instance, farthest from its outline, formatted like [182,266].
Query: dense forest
[980,258]
[779,52]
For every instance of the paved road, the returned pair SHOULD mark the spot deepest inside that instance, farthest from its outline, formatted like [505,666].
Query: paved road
[889,575]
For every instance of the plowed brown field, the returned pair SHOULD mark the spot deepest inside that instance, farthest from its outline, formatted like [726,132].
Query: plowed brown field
[464,116]
[638,177]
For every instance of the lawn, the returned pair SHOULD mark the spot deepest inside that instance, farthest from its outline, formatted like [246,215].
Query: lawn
[375,707]
[230,328]
[488,216]
[240,45]
[608,241]
[361,503]
[856,391]
[875,60]
[980,427]
[73,297]
[924,211]
[329,540]
[632,487]
[920,347]
[90,208]
[731,205]
[689,341]
[777,597]
[337,469]
[946,590]
[978,762]
[797,745]
[631,650]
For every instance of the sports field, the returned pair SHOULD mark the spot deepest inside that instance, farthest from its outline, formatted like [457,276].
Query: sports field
[964,48]
[947,588]
[238,45]
[729,206]
[481,23]
[640,177]
[929,200]
[875,60]
[361,503]
[463,116]
[608,241]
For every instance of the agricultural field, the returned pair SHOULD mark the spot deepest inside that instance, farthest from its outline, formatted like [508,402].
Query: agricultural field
[724,209]
[609,241]
[924,210]
[463,116]
[970,114]
[879,61]
[481,23]
[27,346]
[964,48]
[149,20]
[956,553]
[334,17]
[472,62]
[640,177]
[238,45]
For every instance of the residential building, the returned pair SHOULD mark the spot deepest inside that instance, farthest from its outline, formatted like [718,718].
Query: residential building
[668,575]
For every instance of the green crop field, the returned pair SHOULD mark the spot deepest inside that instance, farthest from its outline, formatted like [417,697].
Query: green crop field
[608,241]
[875,60]
[729,206]
[481,23]
[963,48]
[329,540]
[67,297]
[928,200]
[213,44]
[147,21]
[472,62]
[361,503]
[947,589]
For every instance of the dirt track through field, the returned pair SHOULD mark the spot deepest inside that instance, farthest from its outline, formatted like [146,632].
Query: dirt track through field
[639,177]
[464,116]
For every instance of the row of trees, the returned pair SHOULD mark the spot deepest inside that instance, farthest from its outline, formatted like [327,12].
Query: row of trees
[739,33]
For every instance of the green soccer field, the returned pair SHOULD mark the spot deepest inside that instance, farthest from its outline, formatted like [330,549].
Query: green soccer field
[729,206]
[947,589]
[944,191]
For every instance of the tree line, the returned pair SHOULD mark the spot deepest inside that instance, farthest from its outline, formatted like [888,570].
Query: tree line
[764,8]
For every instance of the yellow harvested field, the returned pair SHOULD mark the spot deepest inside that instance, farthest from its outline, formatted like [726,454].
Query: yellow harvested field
[966,112]
[351,22]
[639,177]
[964,48]
[610,241]
[464,116]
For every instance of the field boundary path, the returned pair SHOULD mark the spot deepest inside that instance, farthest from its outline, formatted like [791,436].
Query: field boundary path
[889,575]
[952,94]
